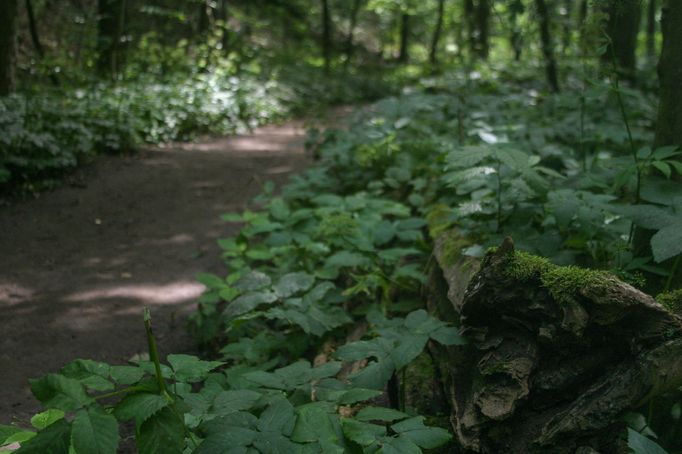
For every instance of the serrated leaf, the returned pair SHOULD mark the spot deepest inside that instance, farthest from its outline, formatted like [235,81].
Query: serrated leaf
[45,418]
[313,424]
[126,375]
[278,417]
[227,439]
[95,431]
[255,280]
[232,401]
[57,391]
[163,433]
[293,283]
[54,439]
[190,369]
[140,407]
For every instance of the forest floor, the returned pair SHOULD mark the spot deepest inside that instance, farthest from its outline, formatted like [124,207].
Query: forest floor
[78,264]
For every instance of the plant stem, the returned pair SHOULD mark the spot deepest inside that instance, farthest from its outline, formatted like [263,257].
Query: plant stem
[153,352]
[120,391]
[499,198]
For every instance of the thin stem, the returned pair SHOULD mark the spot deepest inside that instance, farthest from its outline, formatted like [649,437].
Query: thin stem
[129,389]
[499,198]
[153,352]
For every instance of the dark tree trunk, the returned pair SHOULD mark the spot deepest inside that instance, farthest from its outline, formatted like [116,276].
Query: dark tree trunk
[623,28]
[404,53]
[351,29]
[223,16]
[109,28]
[651,30]
[483,28]
[35,38]
[8,46]
[470,17]
[669,124]
[326,36]
[515,39]
[547,46]
[437,31]
[566,26]
[554,360]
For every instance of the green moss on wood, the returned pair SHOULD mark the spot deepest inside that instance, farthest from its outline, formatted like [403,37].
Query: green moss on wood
[671,301]
[563,282]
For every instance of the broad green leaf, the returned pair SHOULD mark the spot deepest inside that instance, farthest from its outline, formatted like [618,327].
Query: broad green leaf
[313,423]
[234,400]
[347,259]
[278,417]
[355,395]
[425,437]
[211,281]
[639,444]
[95,431]
[249,302]
[8,431]
[379,414]
[54,439]
[362,433]
[163,433]
[375,375]
[292,283]
[57,391]
[44,419]
[447,335]
[255,280]
[126,375]
[140,407]
[190,369]
[667,242]
[229,438]
[266,379]
[409,347]
[273,443]
[399,445]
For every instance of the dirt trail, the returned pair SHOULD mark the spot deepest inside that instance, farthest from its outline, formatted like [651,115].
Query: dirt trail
[78,264]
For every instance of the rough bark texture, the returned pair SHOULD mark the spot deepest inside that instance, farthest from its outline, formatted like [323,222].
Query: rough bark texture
[669,124]
[8,46]
[547,45]
[623,28]
[555,357]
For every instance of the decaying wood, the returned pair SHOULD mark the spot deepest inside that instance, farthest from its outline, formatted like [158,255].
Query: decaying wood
[547,372]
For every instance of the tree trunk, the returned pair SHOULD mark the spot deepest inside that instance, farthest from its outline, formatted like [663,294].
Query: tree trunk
[651,30]
[326,36]
[622,29]
[35,38]
[566,26]
[547,46]
[433,54]
[483,28]
[223,16]
[109,28]
[403,54]
[556,355]
[669,124]
[470,17]
[351,30]
[515,39]
[8,46]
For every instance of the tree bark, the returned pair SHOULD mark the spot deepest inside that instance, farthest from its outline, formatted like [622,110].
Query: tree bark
[547,45]
[554,358]
[669,123]
[515,39]
[651,30]
[437,31]
[483,28]
[470,17]
[326,36]
[623,28]
[404,52]
[35,38]
[109,29]
[351,30]
[8,46]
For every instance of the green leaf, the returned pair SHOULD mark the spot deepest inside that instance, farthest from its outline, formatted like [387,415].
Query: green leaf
[374,376]
[292,283]
[248,302]
[44,419]
[667,242]
[639,444]
[663,167]
[211,281]
[8,431]
[399,445]
[255,280]
[379,414]
[163,433]
[314,424]
[266,379]
[57,391]
[273,443]
[362,433]
[54,439]
[95,431]
[126,375]
[347,259]
[231,401]
[278,417]
[355,395]
[230,437]
[190,369]
[425,437]
[140,407]
[448,335]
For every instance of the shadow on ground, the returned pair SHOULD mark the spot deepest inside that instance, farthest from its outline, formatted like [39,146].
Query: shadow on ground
[78,264]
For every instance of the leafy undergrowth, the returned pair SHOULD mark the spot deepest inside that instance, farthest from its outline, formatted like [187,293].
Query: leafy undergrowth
[319,334]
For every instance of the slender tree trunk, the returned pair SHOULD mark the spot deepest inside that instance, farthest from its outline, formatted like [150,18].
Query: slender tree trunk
[403,55]
[109,27]
[470,17]
[669,124]
[547,46]
[35,38]
[623,28]
[223,16]
[515,39]
[433,55]
[8,46]
[483,28]
[566,26]
[326,36]
[351,30]
[651,30]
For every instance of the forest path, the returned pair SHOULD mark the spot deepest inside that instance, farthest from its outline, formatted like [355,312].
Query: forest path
[78,264]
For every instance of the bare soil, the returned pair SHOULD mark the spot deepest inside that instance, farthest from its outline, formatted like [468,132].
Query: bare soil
[78,264]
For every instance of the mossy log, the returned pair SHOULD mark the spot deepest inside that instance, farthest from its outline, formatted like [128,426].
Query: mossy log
[556,355]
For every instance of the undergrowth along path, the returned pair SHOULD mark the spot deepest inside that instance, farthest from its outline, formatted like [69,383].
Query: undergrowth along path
[78,264]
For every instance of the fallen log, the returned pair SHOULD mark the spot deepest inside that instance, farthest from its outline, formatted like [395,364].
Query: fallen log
[556,355]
